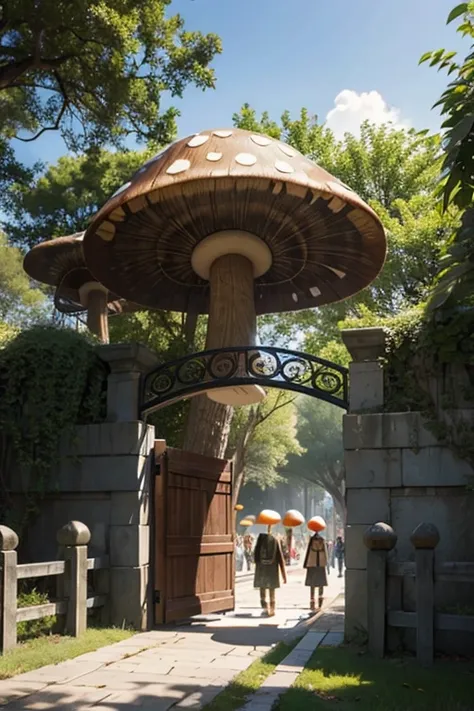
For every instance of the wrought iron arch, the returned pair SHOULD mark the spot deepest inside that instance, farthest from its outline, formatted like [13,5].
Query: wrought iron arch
[251,365]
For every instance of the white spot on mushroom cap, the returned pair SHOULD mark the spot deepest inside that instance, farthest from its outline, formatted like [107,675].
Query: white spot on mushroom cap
[223,134]
[261,140]
[179,166]
[294,297]
[335,271]
[287,150]
[314,291]
[121,189]
[197,141]
[284,167]
[214,156]
[246,159]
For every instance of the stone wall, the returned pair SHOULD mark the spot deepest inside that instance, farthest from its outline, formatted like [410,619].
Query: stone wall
[104,478]
[397,472]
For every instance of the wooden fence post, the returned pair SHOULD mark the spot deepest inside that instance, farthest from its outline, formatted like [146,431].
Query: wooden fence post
[425,538]
[8,588]
[379,539]
[75,536]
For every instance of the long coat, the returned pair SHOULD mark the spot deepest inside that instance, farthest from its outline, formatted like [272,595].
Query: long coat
[315,562]
[269,562]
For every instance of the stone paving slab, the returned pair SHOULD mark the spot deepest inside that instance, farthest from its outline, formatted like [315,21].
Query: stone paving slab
[11,689]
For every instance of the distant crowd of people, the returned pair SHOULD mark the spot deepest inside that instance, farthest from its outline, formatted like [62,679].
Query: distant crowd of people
[245,552]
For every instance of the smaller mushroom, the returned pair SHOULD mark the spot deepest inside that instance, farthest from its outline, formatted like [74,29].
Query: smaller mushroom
[60,263]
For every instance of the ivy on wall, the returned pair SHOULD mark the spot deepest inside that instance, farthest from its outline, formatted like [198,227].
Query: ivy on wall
[51,379]
[429,368]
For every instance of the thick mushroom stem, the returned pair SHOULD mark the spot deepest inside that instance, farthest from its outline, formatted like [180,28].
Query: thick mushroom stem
[231,260]
[232,317]
[94,297]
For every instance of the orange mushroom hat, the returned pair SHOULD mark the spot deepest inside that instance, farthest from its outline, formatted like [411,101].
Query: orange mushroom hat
[293,518]
[268,517]
[311,239]
[246,522]
[316,524]
[238,507]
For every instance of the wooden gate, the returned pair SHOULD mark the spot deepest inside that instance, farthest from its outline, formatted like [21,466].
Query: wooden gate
[194,542]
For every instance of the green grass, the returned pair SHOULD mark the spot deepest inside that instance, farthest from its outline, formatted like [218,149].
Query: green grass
[53,649]
[346,679]
[248,681]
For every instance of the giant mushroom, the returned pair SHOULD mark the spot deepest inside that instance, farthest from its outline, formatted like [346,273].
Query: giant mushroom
[234,224]
[60,262]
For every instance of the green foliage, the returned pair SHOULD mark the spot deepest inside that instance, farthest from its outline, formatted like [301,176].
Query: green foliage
[319,433]
[262,437]
[34,628]
[455,282]
[50,381]
[62,200]
[96,69]
[18,302]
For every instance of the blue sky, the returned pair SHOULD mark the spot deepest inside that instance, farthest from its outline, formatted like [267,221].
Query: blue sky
[345,60]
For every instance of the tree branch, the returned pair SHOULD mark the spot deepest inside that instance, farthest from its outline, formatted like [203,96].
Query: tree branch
[59,117]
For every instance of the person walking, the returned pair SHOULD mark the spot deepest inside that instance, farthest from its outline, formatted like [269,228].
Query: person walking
[339,554]
[315,562]
[269,562]
[248,550]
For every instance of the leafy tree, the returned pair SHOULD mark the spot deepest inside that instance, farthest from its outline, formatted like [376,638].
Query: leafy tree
[95,70]
[261,439]
[456,276]
[319,433]
[62,200]
[19,304]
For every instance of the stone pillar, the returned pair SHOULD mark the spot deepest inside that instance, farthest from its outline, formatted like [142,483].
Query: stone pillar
[425,538]
[8,588]
[75,536]
[130,504]
[367,468]
[366,346]
[380,539]
[127,362]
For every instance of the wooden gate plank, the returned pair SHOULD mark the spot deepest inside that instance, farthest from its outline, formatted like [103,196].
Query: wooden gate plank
[195,538]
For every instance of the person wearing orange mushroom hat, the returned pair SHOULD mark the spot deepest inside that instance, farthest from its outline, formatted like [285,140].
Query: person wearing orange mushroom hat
[269,562]
[315,561]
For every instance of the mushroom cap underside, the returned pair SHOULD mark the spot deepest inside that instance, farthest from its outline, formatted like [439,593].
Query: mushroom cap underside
[48,262]
[326,243]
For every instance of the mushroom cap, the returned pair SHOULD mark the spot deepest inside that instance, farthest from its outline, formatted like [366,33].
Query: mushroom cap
[293,518]
[326,244]
[268,517]
[60,262]
[246,522]
[316,524]
[238,507]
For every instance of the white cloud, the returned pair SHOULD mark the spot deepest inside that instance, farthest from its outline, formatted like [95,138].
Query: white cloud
[351,109]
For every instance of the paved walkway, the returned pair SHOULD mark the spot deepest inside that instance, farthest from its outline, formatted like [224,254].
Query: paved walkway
[183,668]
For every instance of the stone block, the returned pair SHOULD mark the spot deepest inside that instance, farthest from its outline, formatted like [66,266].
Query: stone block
[355,620]
[129,597]
[391,430]
[110,439]
[129,546]
[126,473]
[355,551]
[362,431]
[130,508]
[365,386]
[451,514]
[366,468]
[434,466]
[368,506]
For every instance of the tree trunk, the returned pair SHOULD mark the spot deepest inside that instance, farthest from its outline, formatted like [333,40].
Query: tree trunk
[207,427]
[240,452]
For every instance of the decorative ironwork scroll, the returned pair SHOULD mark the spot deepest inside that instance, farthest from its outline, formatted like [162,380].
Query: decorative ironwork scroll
[250,365]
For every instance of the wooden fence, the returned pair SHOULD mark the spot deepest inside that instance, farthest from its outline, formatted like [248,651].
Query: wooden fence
[74,537]
[380,539]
